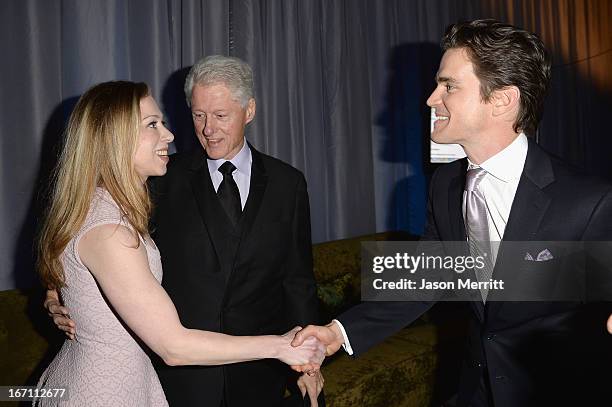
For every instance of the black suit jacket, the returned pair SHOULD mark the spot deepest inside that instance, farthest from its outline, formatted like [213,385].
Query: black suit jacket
[536,353]
[252,279]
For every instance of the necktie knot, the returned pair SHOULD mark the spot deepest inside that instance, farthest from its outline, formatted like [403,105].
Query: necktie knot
[473,178]
[227,168]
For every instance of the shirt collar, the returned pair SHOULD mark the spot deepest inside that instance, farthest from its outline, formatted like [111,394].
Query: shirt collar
[242,160]
[507,165]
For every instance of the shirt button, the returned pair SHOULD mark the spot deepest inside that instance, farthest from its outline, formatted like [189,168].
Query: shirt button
[491,336]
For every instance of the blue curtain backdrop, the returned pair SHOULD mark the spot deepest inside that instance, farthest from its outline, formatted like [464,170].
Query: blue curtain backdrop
[340,85]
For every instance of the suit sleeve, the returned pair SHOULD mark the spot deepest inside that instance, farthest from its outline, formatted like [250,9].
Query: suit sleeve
[598,243]
[299,283]
[370,323]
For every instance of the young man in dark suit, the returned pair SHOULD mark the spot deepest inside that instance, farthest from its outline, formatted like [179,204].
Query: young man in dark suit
[490,92]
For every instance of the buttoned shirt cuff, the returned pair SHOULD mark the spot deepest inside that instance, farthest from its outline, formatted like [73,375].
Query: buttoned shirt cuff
[346,345]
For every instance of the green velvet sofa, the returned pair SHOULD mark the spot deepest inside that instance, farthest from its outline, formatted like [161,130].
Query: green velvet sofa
[416,367]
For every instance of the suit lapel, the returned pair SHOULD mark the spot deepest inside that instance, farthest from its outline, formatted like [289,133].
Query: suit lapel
[213,215]
[210,209]
[259,180]
[455,200]
[530,201]
[527,212]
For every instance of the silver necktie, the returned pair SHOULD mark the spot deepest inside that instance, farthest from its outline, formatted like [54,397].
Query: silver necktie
[477,226]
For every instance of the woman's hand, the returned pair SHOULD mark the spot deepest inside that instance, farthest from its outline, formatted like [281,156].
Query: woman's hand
[311,352]
[59,313]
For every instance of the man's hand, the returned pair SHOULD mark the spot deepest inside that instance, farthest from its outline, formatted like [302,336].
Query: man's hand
[311,384]
[311,352]
[59,313]
[329,335]
[609,325]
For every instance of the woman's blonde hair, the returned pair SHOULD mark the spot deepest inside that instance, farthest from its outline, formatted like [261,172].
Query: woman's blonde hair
[99,146]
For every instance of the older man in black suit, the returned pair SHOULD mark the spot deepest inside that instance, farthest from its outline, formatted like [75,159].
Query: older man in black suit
[233,229]
[490,91]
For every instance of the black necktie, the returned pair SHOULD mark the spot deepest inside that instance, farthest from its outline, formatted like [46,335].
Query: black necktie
[228,193]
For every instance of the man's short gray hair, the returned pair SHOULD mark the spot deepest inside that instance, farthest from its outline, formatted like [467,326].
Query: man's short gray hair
[233,72]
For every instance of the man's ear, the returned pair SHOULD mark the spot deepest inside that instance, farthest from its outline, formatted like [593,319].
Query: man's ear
[506,100]
[250,110]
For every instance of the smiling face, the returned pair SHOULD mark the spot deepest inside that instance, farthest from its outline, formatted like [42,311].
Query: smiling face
[219,120]
[151,155]
[463,117]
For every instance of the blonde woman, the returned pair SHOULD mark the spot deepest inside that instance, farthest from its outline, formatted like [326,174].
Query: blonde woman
[96,249]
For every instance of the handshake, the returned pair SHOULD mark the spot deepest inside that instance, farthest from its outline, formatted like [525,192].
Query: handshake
[310,345]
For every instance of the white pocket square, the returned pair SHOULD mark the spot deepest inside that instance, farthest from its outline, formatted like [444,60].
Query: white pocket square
[544,255]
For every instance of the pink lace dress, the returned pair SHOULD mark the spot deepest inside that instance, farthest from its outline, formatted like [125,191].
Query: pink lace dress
[104,365]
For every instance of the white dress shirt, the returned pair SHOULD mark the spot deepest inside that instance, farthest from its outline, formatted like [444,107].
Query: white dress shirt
[498,186]
[242,175]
